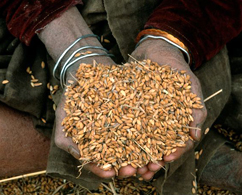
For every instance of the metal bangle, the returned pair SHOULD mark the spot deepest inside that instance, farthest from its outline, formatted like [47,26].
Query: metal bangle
[79,49]
[167,40]
[64,53]
[64,69]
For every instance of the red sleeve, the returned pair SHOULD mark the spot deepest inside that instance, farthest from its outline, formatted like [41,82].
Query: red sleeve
[204,26]
[25,18]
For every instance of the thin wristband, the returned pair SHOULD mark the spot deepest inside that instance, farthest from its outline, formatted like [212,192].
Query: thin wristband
[64,53]
[79,49]
[64,69]
[167,40]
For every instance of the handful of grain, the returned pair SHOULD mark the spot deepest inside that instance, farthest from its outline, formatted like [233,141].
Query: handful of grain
[128,114]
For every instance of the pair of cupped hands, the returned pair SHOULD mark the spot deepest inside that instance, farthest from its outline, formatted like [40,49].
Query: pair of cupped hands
[163,53]
[62,31]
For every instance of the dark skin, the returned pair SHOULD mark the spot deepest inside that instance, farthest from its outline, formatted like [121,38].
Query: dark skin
[163,53]
[61,32]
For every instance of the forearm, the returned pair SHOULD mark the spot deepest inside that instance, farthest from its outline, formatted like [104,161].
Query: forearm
[63,31]
[26,18]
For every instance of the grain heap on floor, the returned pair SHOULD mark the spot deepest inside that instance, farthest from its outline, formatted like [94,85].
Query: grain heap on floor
[128,114]
[45,185]
[127,186]
[38,185]
[231,135]
[209,190]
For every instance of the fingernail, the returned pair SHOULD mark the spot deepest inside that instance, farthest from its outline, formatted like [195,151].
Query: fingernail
[198,135]
[75,153]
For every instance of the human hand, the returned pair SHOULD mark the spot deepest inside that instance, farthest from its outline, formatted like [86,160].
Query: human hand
[57,36]
[66,143]
[164,53]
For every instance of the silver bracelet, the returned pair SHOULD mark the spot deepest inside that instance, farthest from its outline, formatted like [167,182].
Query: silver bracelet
[167,40]
[64,53]
[64,68]
[79,49]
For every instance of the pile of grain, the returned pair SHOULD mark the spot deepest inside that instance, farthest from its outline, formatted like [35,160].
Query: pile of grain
[127,186]
[45,185]
[38,185]
[231,135]
[129,114]
[209,190]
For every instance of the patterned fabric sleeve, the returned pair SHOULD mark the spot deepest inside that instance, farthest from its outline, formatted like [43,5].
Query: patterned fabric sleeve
[25,18]
[203,26]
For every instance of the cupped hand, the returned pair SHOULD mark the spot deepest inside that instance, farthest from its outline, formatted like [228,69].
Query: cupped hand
[164,53]
[68,145]
[57,36]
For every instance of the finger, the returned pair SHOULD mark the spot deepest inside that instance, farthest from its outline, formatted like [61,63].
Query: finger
[60,115]
[179,152]
[74,152]
[199,116]
[196,123]
[99,172]
[60,140]
[142,170]
[65,142]
[127,171]
[154,167]
[148,175]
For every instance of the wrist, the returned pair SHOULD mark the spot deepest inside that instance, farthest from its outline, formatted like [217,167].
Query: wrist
[63,31]
[67,40]
[81,58]
[163,35]
[157,48]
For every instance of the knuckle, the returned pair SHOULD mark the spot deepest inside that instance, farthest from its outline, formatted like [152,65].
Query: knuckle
[205,113]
